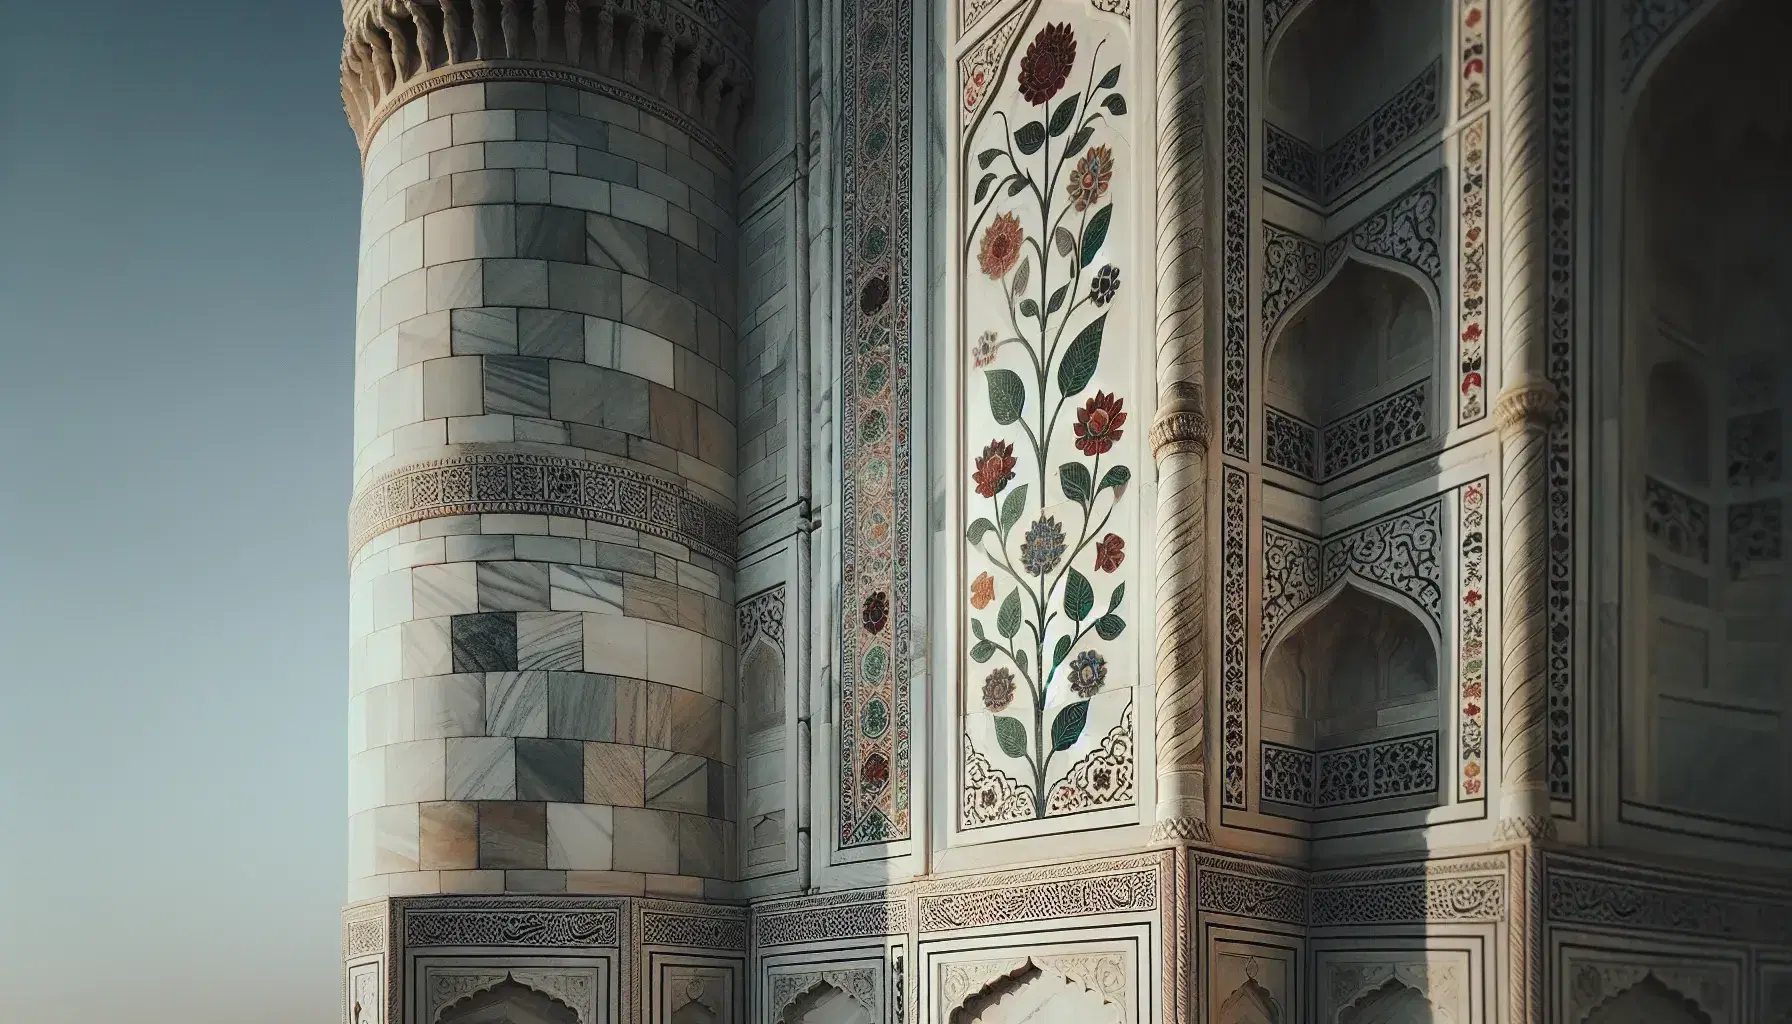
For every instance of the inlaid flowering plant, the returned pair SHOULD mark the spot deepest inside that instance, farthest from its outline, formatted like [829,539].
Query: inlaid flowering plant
[1042,210]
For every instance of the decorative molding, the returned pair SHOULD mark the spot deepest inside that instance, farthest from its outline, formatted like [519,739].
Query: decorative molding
[1324,175]
[761,615]
[1235,242]
[1383,427]
[1631,901]
[512,923]
[1118,885]
[1559,296]
[364,935]
[1471,640]
[1257,896]
[876,303]
[1380,770]
[1645,24]
[1180,432]
[1471,274]
[699,931]
[480,482]
[1413,901]
[1400,551]
[1235,514]
[981,67]
[1405,229]
[1526,405]
[1472,58]
[829,919]
[1128,892]
[1349,160]
[1290,577]
[1292,266]
[1290,443]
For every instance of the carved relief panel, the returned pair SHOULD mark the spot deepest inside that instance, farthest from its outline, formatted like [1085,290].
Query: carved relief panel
[1396,988]
[1050,377]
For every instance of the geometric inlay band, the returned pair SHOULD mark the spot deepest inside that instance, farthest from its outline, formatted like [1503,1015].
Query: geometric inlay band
[515,482]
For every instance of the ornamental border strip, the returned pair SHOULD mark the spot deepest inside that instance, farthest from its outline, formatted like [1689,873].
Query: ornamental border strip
[875,246]
[1088,895]
[520,483]
[856,920]
[1562,221]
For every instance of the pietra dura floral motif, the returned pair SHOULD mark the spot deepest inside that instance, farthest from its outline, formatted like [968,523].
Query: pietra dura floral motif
[1052,426]
[876,200]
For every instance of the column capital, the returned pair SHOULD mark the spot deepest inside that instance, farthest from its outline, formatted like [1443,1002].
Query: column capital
[685,61]
[1525,404]
[1181,424]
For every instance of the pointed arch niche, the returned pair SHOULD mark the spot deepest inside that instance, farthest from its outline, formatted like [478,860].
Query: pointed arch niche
[1031,994]
[1706,351]
[1348,367]
[1349,84]
[508,1002]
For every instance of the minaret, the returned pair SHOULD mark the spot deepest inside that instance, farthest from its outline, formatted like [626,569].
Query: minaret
[542,669]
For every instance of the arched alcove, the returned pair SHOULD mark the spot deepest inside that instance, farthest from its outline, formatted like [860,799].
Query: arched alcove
[1392,1003]
[508,1002]
[1706,355]
[825,1004]
[1250,1003]
[1334,64]
[1365,335]
[762,687]
[1649,1001]
[1354,659]
[1035,996]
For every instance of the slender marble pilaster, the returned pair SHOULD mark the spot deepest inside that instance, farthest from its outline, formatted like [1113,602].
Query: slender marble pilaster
[1179,435]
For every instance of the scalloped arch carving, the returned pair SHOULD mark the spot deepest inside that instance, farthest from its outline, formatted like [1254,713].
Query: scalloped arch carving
[1359,648]
[505,1000]
[1027,992]
[1651,1000]
[1394,1002]
[1250,1003]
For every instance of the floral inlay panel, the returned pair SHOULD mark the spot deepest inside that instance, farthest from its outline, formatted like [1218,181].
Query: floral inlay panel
[875,229]
[1052,427]
[1471,638]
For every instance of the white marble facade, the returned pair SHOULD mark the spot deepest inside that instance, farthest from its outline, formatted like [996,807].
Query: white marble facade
[880,512]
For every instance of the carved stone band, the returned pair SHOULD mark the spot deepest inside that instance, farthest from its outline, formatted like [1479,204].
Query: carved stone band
[1525,404]
[513,482]
[689,61]
[1181,830]
[1178,430]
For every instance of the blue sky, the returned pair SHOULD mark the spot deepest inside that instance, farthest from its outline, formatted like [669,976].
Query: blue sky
[178,217]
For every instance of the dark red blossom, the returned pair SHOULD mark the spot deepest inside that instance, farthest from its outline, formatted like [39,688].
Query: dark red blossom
[1098,424]
[1046,67]
[995,467]
[877,612]
[1110,551]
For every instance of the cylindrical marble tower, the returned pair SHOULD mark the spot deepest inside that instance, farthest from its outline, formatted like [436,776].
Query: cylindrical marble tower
[541,695]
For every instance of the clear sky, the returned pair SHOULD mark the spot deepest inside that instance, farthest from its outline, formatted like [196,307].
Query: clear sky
[178,218]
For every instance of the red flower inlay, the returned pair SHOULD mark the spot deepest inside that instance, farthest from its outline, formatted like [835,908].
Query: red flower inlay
[1098,424]
[1000,250]
[1110,551]
[1046,66]
[995,467]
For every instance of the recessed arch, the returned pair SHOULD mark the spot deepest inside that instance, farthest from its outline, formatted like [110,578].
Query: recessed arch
[824,1003]
[1651,1000]
[1351,81]
[1356,651]
[1250,1003]
[508,1002]
[1393,1002]
[1031,994]
[1369,323]
[1372,588]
